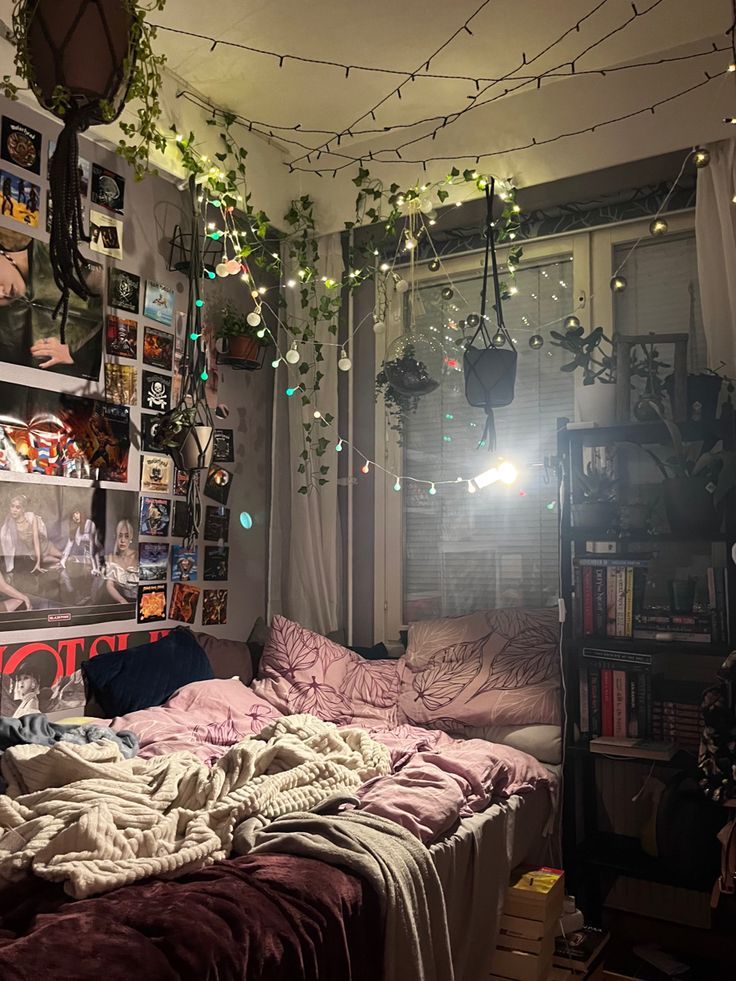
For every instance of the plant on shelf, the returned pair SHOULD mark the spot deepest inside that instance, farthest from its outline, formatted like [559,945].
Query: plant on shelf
[647,366]
[597,488]
[592,354]
[243,339]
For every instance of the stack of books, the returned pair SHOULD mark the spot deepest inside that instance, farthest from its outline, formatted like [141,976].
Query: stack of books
[608,594]
[581,952]
[696,628]
[531,912]
[678,722]
[615,693]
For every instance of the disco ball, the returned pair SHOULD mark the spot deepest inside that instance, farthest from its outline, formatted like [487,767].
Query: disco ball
[414,364]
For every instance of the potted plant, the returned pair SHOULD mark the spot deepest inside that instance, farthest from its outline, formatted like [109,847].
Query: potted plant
[397,404]
[188,436]
[595,399]
[597,508]
[241,337]
[703,394]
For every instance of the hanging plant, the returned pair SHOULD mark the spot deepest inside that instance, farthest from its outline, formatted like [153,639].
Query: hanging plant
[397,404]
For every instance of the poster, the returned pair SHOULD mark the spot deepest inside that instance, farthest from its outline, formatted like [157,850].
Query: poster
[181,482]
[83,169]
[156,472]
[121,383]
[19,199]
[68,555]
[159,303]
[214,607]
[108,189]
[20,145]
[106,235]
[155,516]
[157,348]
[62,435]
[29,335]
[122,337]
[182,523]
[153,561]
[223,450]
[218,483]
[184,600]
[156,391]
[216,563]
[151,602]
[216,523]
[124,290]
[45,676]
[151,434]
[183,563]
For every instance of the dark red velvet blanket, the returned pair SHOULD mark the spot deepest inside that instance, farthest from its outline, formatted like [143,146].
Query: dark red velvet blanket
[260,918]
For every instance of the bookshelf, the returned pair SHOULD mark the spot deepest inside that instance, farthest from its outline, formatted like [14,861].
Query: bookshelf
[650,615]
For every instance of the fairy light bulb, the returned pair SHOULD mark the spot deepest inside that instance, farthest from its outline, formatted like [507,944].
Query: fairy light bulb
[397,484]
[233,266]
[507,472]
[199,303]
[618,283]
[338,448]
[261,333]
[317,414]
[379,327]
[253,319]
[433,265]
[366,467]
[344,363]
[276,362]
[701,157]
[432,490]
[384,267]
[292,355]
[471,487]
[401,286]
[221,269]
[658,226]
[289,392]
[193,336]
[204,376]
[411,243]
[571,322]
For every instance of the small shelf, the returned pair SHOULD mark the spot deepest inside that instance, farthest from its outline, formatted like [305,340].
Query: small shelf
[622,855]
[644,432]
[602,535]
[626,644]
[682,760]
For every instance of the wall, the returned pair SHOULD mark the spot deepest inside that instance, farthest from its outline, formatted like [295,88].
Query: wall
[151,210]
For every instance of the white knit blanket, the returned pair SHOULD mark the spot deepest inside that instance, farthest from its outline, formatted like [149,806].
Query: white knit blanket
[85,816]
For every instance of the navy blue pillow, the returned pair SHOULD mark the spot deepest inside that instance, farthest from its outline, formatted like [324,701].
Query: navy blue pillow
[146,675]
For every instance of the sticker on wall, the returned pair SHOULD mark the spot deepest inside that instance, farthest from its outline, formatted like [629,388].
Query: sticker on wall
[151,434]
[29,334]
[21,145]
[159,303]
[216,523]
[183,563]
[181,482]
[223,450]
[69,552]
[106,235]
[216,563]
[151,602]
[153,561]
[19,199]
[60,435]
[157,348]
[50,211]
[217,485]
[155,391]
[122,337]
[83,169]
[108,189]
[155,516]
[156,472]
[124,290]
[182,523]
[184,599]
[214,607]
[121,383]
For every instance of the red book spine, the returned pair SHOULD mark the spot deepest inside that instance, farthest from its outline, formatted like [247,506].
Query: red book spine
[619,703]
[588,601]
[606,702]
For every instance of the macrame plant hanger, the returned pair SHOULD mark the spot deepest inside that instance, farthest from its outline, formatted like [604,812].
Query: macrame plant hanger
[490,371]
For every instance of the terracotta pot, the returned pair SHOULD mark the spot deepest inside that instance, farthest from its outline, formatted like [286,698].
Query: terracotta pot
[194,452]
[243,347]
[690,507]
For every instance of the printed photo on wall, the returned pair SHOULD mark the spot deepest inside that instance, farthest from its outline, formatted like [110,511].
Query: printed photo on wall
[157,348]
[214,607]
[155,516]
[20,199]
[216,523]
[106,235]
[83,169]
[67,555]
[60,435]
[156,473]
[151,434]
[184,599]
[223,450]
[21,145]
[153,560]
[182,524]
[159,303]
[217,485]
[121,383]
[216,563]
[151,602]
[29,334]
[108,189]
[156,391]
[124,290]
[122,337]
[181,482]
[183,563]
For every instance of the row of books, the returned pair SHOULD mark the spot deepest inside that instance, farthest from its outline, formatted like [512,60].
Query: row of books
[677,722]
[615,694]
[609,593]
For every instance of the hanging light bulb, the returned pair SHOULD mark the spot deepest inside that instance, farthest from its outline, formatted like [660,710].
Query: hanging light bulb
[507,472]
[261,333]
[401,286]
[292,355]
[344,363]
[433,265]
[317,414]
[571,322]
[658,226]
[276,362]
[536,341]
[379,327]
[618,283]
[471,487]
[366,467]
[290,391]
[701,157]
[397,484]
[498,339]
[472,320]
[221,269]
[410,243]
[233,266]
[338,447]
[432,489]
[447,292]
[253,319]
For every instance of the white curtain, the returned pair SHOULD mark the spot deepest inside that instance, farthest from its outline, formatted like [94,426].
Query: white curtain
[304,534]
[715,230]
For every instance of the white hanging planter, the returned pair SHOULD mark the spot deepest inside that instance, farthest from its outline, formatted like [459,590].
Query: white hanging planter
[595,404]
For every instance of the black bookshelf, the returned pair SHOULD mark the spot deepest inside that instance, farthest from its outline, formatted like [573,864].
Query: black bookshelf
[593,859]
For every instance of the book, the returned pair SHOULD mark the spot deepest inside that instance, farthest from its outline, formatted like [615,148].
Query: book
[606,702]
[594,702]
[632,713]
[619,702]
[611,603]
[584,703]
[588,601]
[620,602]
[579,949]
[673,636]
[532,892]
[624,657]
[629,602]
[599,601]
[645,749]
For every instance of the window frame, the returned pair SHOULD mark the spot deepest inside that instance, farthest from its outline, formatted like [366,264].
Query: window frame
[592,252]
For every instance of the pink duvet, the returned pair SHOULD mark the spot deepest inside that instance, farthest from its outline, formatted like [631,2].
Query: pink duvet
[435,779]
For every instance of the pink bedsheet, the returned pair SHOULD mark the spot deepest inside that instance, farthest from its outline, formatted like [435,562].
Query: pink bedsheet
[435,779]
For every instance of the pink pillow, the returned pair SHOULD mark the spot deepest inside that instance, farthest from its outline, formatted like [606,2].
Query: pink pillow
[495,668]
[301,671]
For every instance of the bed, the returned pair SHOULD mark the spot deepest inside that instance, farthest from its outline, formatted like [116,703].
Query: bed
[258,903]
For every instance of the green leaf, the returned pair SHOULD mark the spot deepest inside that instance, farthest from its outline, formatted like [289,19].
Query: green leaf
[442,194]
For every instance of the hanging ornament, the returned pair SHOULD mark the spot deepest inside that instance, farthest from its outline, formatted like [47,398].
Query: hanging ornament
[433,265]
[618,283]
[701,157]
[536,341]
[292,355]
[233,266]
[472,320]
[410,243]
[253,319]
[221,269]
[379,327]
[414,364]
[571,322]
[498,339]
[447,292]
[401,286]
[658,226]
[344,363]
